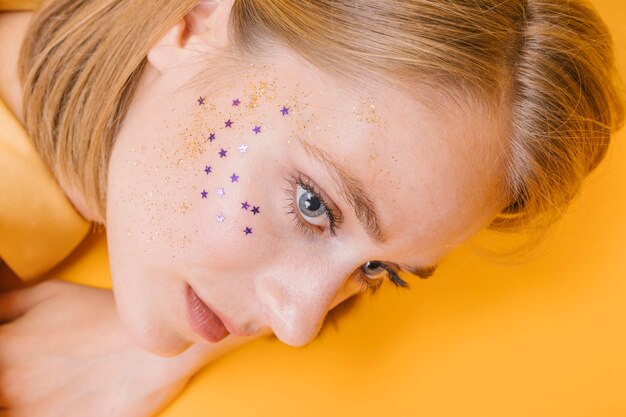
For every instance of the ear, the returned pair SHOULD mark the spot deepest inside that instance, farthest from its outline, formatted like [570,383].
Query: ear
[202,29]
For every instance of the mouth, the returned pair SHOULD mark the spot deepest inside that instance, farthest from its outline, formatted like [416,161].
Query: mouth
[204,321]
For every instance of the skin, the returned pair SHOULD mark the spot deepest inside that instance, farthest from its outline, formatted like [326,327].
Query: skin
[432,166]
[417,161]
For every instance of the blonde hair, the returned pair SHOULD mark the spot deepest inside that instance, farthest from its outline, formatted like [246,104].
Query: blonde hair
[552,60]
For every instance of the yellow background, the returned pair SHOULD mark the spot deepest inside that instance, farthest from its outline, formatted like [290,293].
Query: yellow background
[478,339]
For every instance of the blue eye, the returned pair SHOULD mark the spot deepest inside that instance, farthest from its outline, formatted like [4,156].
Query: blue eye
[311,207]
[373,273]
[310,210]
[373,269]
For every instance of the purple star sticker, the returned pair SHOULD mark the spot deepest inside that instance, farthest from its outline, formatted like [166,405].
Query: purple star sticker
[234,178]
[208,169]
[222,153]
[285,110]
[247,230]
[211,137]
[228,123]
[245,205]
[204,193]
[236,102]
[256,130]
[255,210]
[200,101]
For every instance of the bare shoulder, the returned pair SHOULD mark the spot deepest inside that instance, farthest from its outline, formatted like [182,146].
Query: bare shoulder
[13,26]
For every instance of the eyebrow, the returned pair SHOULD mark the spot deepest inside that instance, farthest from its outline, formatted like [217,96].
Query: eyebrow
[352,190]
[422,272]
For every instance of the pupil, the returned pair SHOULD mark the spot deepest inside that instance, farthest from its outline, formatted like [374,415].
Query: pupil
[373,265]
[312,203]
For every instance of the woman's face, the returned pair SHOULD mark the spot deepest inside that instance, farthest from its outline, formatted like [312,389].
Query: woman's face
[266,188]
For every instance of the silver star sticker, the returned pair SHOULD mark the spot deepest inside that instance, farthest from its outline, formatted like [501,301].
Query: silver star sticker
[220,192]
[219,218]
[243,148]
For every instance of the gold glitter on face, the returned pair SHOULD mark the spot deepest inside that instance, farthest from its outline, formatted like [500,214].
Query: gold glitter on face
[365,111]
[257,91]
[166,160]
[191,145]
[184,149]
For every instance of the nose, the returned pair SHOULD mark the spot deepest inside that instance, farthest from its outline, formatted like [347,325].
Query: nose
[296,305]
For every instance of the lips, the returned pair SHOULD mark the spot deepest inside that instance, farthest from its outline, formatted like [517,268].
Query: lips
[202,319]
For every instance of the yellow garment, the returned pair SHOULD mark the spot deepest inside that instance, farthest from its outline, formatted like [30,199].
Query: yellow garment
[6,5]
[38,225]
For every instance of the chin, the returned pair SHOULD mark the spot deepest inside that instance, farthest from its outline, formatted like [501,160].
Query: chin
[152,338]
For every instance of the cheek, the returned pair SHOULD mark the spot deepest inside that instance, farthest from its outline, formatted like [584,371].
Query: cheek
[203,195]
[231,228]
[243,227]
[211,212]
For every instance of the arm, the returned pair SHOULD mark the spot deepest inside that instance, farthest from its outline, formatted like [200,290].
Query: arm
[63,352]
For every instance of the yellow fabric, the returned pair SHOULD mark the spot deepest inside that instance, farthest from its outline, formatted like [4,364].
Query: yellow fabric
[38,226]
[18,4]
[546,339]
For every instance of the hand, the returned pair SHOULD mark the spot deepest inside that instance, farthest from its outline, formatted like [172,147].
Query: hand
[63,352]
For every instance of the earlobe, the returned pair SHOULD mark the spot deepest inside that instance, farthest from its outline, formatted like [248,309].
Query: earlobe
[168,49]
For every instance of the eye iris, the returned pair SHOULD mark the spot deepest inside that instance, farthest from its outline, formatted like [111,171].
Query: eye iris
[373,267]
[310,205]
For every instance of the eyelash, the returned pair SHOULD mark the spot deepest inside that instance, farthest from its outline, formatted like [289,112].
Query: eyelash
[373,285]
[334,221]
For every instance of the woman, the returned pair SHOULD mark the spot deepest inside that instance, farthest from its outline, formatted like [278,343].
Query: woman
[210,116]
